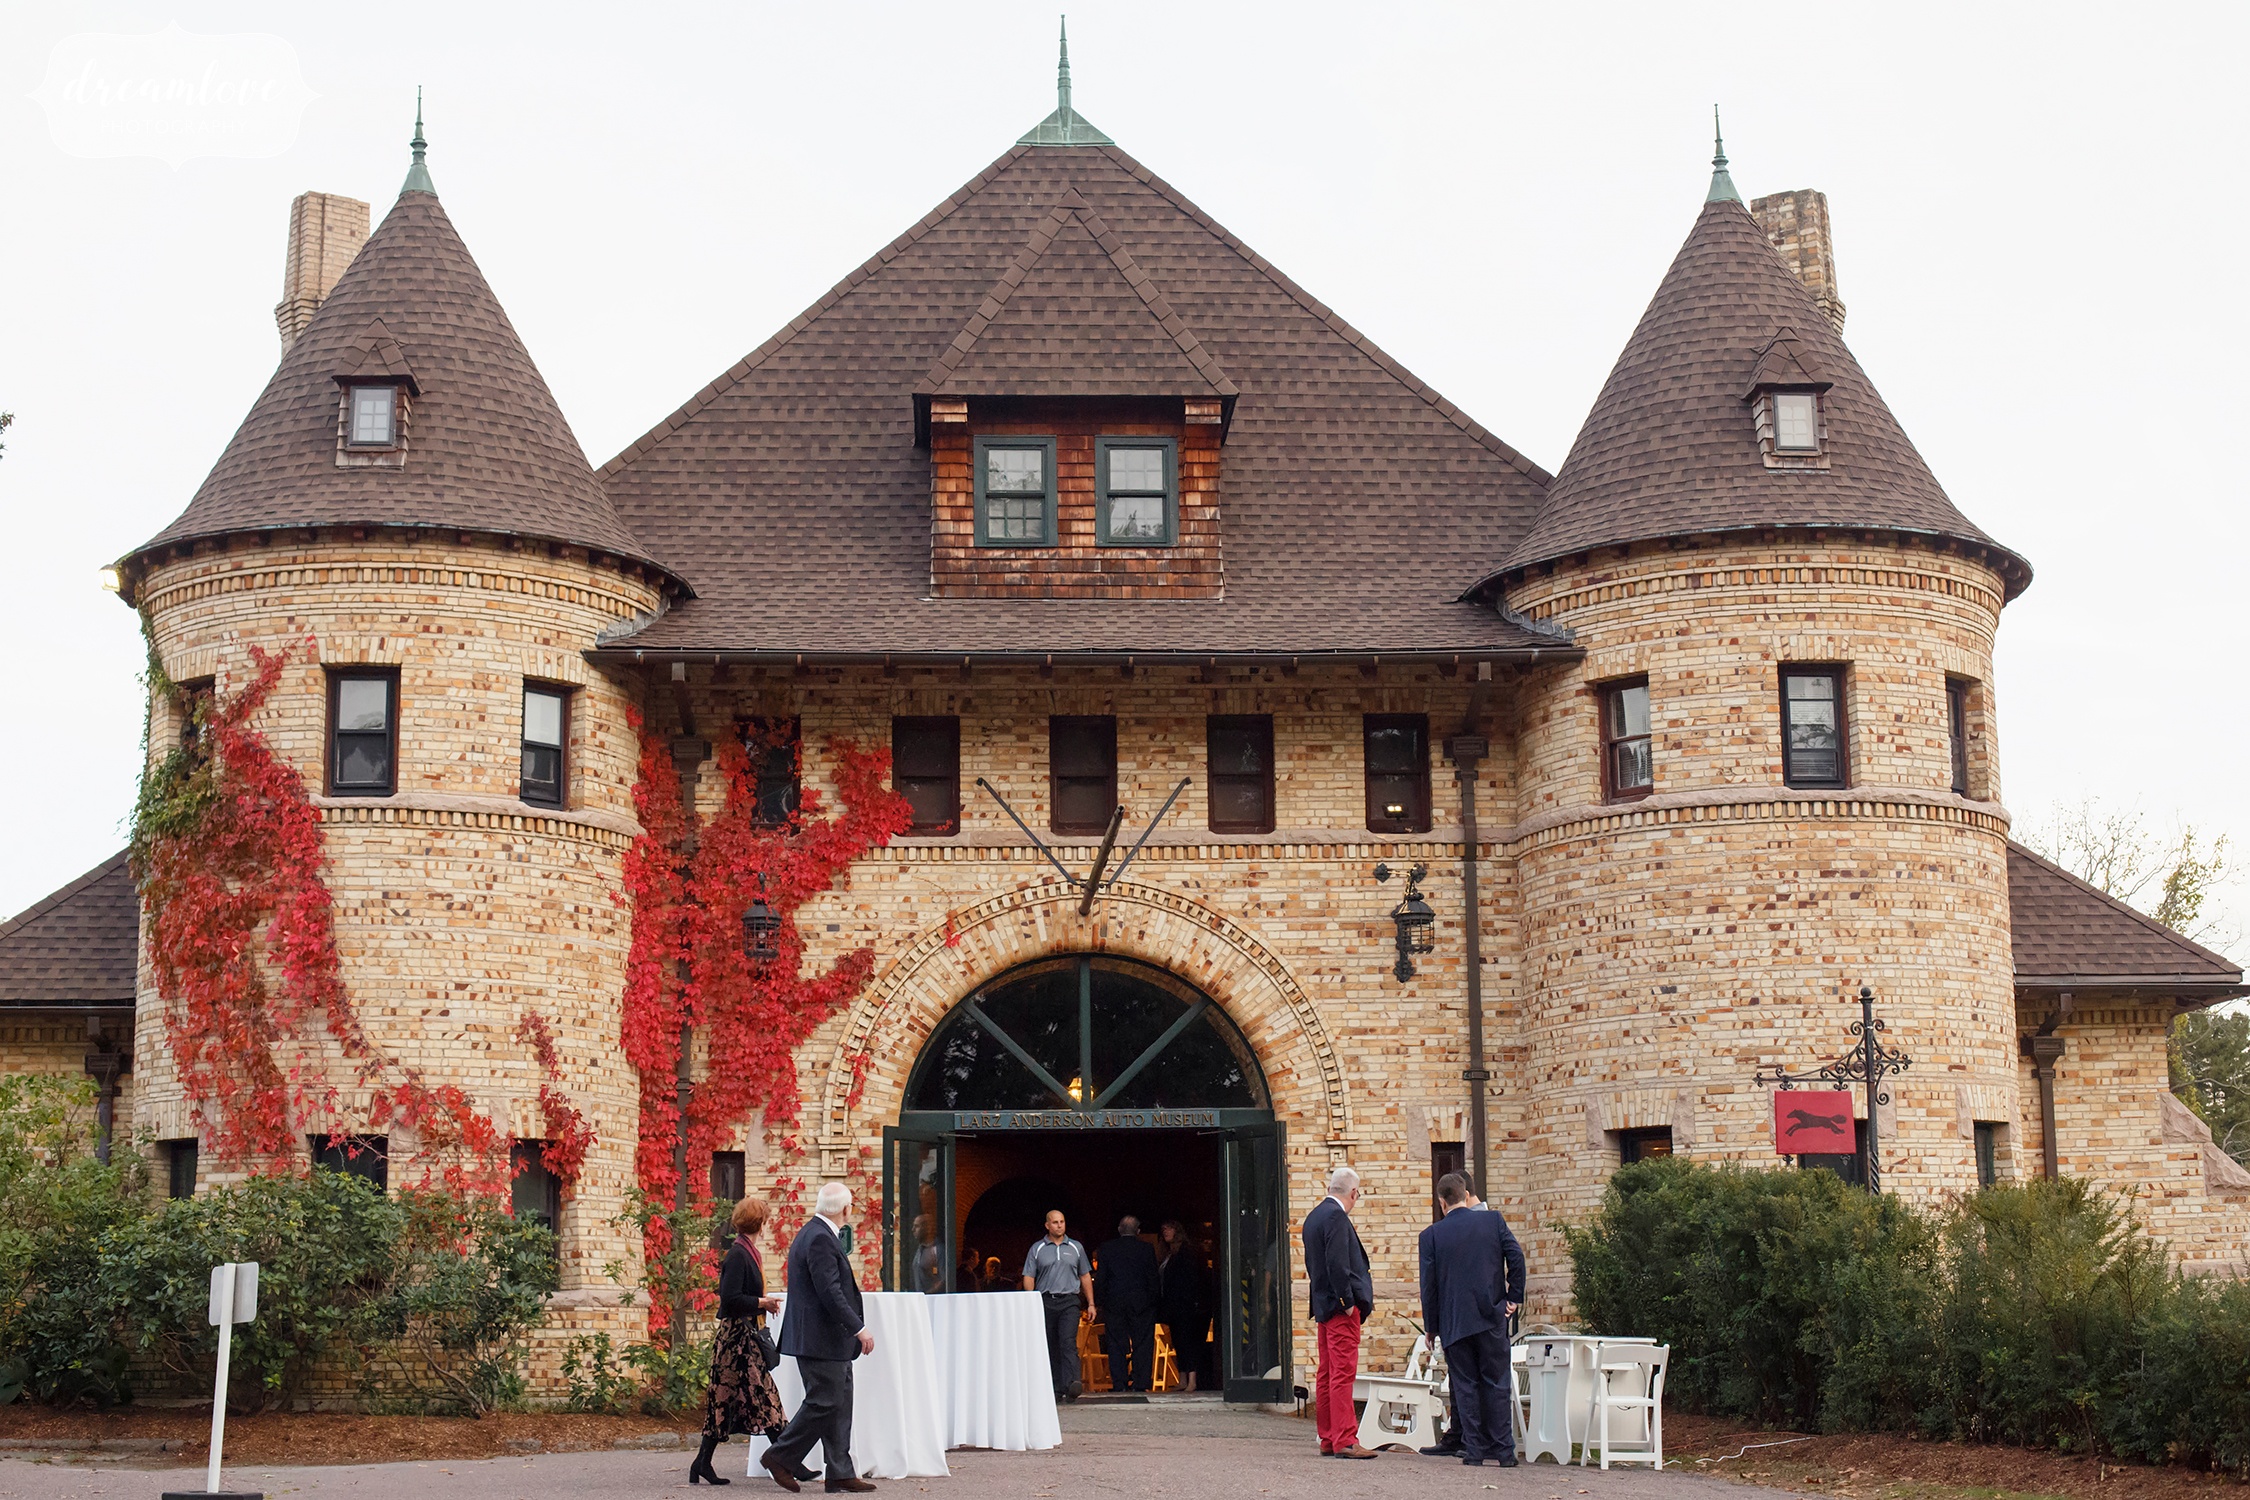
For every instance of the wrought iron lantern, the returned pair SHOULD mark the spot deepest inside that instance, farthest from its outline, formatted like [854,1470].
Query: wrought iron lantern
[759,925]
[1413,919]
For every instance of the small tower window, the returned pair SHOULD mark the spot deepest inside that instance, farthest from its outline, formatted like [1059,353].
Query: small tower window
[1957,732]
[374,416]
[1796,421]
[1813,727]
[1627,769]
[1139,492]
[544,712]
[363,734]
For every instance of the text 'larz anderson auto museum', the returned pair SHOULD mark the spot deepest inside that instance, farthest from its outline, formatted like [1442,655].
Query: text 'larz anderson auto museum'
[956,752]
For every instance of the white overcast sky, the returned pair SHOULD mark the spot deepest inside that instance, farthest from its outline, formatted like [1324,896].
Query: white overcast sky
[2039,216]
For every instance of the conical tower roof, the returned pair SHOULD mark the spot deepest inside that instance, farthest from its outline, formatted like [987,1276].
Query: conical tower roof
[486,448]
[1671,446]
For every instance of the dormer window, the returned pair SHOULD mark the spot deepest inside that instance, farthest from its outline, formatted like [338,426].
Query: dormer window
[1015,492]
[374,416]
[1139,492]
[1796,421]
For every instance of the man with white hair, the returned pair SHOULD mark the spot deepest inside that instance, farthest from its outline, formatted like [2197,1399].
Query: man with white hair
[825,1327]
[1343,1297]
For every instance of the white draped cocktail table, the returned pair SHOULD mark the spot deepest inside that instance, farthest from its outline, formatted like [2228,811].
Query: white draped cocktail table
[995,1387]
[898,1406]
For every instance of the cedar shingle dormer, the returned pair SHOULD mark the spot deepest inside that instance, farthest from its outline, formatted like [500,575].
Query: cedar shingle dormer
[1031,415]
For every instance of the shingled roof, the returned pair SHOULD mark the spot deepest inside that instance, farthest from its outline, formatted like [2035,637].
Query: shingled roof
[77,947]
[1670,447]
[487,449]
[2069,935]
[1358,504]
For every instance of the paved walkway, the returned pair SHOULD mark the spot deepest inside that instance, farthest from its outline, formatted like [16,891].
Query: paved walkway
[1193,1452]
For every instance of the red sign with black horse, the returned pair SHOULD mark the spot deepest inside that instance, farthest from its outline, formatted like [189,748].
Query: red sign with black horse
[1813,1122]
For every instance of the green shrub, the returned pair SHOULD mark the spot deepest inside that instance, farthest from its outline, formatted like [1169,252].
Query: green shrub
[596,1377]
[2039,1314]
[467,1285]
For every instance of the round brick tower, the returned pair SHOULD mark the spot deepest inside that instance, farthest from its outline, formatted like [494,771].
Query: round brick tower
[408,517]
[1742,533]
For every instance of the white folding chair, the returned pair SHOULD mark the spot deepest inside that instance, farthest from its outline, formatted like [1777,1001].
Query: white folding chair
[1404,1410]
[1627,1420]
[1519,1394]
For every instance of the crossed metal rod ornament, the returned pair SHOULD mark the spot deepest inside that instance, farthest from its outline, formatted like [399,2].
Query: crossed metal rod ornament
[1870,1064]
[1093,884]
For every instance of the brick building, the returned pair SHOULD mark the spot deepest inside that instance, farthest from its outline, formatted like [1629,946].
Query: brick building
[1072,499]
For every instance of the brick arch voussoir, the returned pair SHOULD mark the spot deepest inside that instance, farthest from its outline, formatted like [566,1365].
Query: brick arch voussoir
[884,1032]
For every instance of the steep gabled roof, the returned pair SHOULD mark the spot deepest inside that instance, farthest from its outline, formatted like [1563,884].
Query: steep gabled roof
[1357,503]
[487,449]
[2070,935]
[1670,447]
[79,946]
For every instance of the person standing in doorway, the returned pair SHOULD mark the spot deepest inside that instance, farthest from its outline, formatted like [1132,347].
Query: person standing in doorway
[1343,1297]
[1062,1273]
[1472,1280]
[824,1325]
[1180,1300]
[1127,1285]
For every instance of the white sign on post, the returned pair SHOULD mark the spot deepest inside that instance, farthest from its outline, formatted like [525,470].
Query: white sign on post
[234,1299]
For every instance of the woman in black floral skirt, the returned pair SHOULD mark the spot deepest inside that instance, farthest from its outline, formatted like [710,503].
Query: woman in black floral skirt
[742,1397]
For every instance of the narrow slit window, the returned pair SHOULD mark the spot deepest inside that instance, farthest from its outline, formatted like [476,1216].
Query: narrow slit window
[534,1192]
[1240,747]
[363,734]
[1139,492]
[197,700]
[1627,769]
[728,1184]
[374,416]
[546,710]
[1082,772]
[926,771]
[774,752]
[1796,421]
[1398,773]
[1957,733]
[1015,492]
[1813,727]
[180,1160]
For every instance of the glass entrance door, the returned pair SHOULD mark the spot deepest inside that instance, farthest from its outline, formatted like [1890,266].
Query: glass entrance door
[917,1209]
[1254,1274]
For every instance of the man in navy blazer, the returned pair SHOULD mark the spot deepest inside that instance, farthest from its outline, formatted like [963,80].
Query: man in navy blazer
[1472,1280]
[824,1326]
[1343,1296]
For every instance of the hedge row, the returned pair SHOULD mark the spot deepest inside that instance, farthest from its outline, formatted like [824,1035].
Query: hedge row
[2040,1315]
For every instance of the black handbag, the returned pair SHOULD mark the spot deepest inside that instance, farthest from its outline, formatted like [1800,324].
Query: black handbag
[762,1345]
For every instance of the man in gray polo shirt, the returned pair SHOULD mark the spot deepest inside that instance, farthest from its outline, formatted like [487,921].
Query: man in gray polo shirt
[1061,1272]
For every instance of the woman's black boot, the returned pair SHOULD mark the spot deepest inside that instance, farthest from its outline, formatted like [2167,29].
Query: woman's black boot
[701,1469]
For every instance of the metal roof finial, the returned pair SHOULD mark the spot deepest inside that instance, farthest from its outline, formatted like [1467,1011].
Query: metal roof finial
[418,175]
[1066,126]
[1062,76]
[1722,186]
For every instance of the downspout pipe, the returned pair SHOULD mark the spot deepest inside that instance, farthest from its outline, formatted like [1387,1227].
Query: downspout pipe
[2045,1049]
[1468,750]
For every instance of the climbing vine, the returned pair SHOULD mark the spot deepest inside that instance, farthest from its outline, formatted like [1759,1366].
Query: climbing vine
[688,962]
[228,854]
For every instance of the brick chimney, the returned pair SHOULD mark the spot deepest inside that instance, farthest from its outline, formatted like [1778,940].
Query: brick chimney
[325,232]
[1797,224]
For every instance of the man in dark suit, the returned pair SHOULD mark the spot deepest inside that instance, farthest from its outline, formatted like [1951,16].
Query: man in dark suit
[824,1327]
[1343,1297]
[1126,1286]
[1472,1281]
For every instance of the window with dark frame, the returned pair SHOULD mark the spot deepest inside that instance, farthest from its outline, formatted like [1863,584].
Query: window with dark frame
[1015,478]
[1848,1165]
[1643,1145]
[546,719]
[1240,750]
[362,733]
[926,771]
[1814,731]
[1957,732]
[180,1160]
[197,699]
[1988,1152]
[534,1193]
[1081,772]
[773,747]
[1445,1156]
[1397,748]
[1627,768]
[728,1183]
[363,1156]
[373,420]
[1138,500]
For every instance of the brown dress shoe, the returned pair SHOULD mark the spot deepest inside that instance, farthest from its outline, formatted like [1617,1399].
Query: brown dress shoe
[1354,1450]
[780,1471]
[853,1486]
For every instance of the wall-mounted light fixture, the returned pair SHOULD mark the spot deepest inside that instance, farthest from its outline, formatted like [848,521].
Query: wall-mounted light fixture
[1413,919]
[759,925]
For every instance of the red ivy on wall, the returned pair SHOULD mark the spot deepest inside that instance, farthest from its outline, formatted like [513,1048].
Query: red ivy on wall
[228,855]
[753,1015]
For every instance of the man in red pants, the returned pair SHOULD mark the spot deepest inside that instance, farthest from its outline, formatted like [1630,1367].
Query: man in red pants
[1343,1296]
